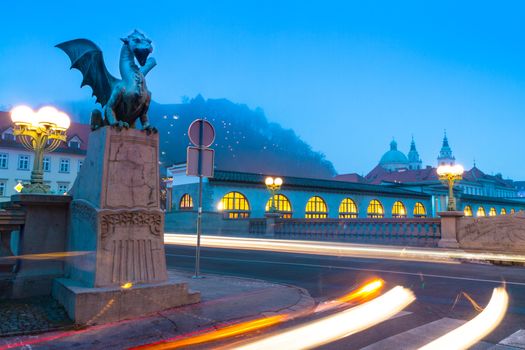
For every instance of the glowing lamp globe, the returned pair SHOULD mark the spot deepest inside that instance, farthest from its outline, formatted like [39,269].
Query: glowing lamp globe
[62,121]
[22,115]
[46,116]
[278,181]
[269,181]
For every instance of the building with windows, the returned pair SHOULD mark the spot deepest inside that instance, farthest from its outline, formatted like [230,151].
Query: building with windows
[60,167]
[398,187]
[477,193]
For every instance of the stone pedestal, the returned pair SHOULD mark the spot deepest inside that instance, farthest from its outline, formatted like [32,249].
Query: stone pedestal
[44,232]
[116,218]
[449,229]
[270,223]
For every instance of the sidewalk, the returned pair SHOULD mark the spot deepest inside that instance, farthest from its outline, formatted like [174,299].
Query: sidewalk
[223,300]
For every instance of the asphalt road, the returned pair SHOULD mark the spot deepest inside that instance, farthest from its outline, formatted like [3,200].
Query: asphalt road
[436,285]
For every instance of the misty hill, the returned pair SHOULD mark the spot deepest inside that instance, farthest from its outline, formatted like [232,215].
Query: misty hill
[245,140]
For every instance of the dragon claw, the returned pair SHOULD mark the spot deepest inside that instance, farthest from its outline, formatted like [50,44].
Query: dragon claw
[149,129]
[120,125]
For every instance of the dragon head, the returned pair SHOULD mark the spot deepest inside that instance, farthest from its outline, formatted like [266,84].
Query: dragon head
[139,45]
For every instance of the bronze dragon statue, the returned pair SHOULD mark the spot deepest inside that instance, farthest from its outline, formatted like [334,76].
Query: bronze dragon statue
[123,100]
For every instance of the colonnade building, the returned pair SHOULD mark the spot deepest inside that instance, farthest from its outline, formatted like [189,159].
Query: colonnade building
[398,187]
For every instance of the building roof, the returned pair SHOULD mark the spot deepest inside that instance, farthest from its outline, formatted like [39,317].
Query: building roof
[393,156]
[76,129]
[379,175]
[492,200]
[299,182]
[476,174]
[352,177]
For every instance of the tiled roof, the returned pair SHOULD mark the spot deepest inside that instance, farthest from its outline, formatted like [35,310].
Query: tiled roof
[380,174]
[76,129]
[476,174]
[299,182]
[353,177]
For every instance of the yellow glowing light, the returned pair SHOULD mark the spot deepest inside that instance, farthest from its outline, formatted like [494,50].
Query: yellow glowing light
[476,329]
[368,291]
[62,121]
[221,333]
[444,170]
[22,114]
[342,324]
[126,285]
[18,187]
[45,115]
[339,249]
[268,181]
[278,181]
[220,206]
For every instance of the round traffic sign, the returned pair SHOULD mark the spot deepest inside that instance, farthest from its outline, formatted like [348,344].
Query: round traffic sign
[201,133]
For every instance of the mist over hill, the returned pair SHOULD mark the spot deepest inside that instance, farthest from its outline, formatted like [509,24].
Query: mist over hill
[245,140]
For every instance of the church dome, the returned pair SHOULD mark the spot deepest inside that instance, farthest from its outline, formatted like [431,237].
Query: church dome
[394,159]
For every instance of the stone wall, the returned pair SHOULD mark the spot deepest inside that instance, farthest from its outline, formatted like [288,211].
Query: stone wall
[505,233]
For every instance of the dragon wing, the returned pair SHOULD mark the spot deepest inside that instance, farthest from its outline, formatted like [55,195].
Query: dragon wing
[87,57]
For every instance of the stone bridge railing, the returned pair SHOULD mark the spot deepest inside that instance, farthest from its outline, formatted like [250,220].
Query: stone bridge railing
[11,219]
[413,231]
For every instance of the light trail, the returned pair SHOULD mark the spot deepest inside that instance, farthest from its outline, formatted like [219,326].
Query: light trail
[339,249]
[365,292]
[476,329]
[222,333]
[337,326]
[46,256]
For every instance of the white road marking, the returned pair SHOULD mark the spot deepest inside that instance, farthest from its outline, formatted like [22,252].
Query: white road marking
[356,269]
[418,336]
[516,339]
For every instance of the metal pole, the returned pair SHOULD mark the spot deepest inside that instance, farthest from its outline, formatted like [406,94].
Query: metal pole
[199,212]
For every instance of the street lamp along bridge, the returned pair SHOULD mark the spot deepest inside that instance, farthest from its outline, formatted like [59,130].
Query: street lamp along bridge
[39,132]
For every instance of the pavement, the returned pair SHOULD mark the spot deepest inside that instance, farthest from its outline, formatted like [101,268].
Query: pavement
[224,300]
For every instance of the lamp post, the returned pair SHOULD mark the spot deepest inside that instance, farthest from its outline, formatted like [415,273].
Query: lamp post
[39,132]
[273,185]
[449,174]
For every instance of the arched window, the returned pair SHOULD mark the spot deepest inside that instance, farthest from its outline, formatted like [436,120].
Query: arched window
[503,211]
[347,209]
[481,212]
[186,202]
[467,210]
[399,210]
[282,204]
[420,211]
[375,209]
[235,206]
[492,212]
[316,208]
[512,211]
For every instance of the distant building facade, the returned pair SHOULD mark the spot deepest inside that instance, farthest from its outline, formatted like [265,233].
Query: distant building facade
[477,193]
[60,167]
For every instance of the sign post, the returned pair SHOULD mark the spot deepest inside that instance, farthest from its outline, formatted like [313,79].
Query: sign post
[200,163]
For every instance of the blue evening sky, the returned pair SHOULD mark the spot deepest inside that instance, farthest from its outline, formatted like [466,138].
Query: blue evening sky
[347,76]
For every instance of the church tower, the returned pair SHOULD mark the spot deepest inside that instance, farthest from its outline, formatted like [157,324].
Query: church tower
[445,154]
[414,162]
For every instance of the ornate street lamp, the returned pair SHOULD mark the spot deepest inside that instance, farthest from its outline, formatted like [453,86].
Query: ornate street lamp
[449,174]
[39,132]
[273,185]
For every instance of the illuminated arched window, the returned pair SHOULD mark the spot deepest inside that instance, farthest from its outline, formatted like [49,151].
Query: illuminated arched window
[399,210]
[503,211]
[512,211]
[481,212]
[347,209]
[467,210]
[316,208]
[492,212]
[186,202]
[235,206]
[375,209]
[282,204]
[420,211]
